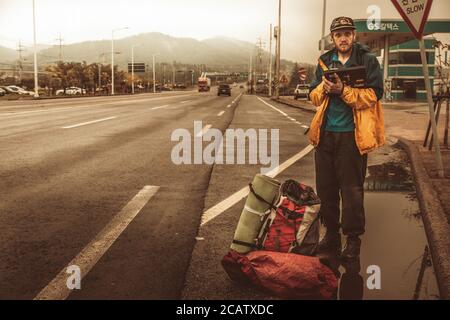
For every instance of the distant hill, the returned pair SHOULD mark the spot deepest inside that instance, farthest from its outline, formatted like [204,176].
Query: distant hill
[7,54]
[220,51]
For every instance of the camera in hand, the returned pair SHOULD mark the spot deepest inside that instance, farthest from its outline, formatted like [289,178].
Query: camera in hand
[354,76]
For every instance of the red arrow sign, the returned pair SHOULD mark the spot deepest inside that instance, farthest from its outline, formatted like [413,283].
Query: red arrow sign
[415,13]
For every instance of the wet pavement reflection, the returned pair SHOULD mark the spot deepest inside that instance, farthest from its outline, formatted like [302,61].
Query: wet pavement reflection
[394,244]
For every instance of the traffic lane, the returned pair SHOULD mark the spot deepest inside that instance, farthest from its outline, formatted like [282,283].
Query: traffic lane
[152,256]
[30,121]
[206,278]
[33,142]
[39,156]
[19,105]
[58,206]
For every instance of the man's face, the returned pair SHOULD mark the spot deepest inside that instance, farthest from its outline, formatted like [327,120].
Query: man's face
[343,39]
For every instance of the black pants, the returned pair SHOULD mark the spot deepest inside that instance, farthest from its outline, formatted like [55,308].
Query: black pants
[340,173]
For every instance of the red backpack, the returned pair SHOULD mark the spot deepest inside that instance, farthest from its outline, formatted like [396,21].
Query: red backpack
[282,232]
[294,226]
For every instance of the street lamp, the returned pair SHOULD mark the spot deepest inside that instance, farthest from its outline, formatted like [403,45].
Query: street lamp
[277,71]
[36,90]
[324,16]
[112,58]
[132,66]
[154,73]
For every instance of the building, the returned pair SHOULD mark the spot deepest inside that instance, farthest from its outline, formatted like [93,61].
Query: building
[405,77]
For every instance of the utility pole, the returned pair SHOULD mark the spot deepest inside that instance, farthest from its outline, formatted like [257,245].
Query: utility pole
[277,71]
[154,73]
[173,75]
[250,80]
[60,40]
[132,69]
[259,64]
[20,49]
[270,62]
[132,66]
[36,90]
[112,58]
[324,16]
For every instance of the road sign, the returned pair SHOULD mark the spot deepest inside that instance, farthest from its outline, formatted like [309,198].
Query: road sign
[302,74]
[138,67]
[415,13]
[284,79]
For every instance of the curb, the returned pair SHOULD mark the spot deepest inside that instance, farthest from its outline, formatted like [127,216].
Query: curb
[434,219]
[294,106]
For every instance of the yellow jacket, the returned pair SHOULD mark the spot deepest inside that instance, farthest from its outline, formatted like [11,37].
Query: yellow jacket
[367,114]
[367,109]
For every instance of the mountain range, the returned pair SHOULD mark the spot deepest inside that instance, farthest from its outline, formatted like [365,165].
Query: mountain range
[218,51]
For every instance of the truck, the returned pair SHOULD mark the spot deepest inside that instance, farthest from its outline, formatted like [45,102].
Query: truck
[204,84]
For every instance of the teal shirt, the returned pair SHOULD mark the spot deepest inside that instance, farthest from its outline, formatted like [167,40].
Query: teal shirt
[339,117]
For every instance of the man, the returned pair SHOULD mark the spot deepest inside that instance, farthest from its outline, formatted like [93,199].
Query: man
[348,125]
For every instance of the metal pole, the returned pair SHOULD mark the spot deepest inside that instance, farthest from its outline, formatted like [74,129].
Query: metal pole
[154,75]
[250,73]
[112,62]
[386,63]
[36,89]
[132,69]
[270,62]
[99,77]
[447,120]
[277,87]
[324,16]
[437,147]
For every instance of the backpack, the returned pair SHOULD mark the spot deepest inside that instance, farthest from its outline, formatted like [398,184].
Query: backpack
[294,226]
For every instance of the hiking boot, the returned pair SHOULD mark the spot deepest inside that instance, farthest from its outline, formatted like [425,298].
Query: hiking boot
[330,244]
[352,248]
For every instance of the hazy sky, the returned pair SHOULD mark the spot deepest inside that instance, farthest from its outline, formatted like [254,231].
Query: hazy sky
[80,20]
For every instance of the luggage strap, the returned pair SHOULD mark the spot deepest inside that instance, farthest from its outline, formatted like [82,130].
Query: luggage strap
[261,198]
[245,244]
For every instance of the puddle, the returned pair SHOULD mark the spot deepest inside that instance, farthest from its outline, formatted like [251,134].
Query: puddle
[395,241]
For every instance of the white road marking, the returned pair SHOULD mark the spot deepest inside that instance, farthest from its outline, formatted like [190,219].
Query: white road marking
[91,103]
[275,108]
[283,113]
[160,107]
[9,114]
[220,113]
[229,106]
[91,254]
[182,102]
[87,123]
[204,130]
[237,98]
[224,205]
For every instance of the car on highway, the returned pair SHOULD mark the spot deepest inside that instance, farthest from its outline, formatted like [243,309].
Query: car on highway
[71,91]
[224,89]
[17,90]
[301,91]
[2,92]
[8,90]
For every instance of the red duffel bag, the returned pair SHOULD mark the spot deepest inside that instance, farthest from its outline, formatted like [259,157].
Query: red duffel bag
[285,275]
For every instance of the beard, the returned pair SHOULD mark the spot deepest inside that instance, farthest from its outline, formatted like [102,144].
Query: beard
[344,50]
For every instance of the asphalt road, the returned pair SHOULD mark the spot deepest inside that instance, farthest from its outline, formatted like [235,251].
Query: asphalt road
[69,166]
[90,182]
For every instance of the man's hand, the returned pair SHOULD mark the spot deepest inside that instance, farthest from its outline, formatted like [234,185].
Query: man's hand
[331,87]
